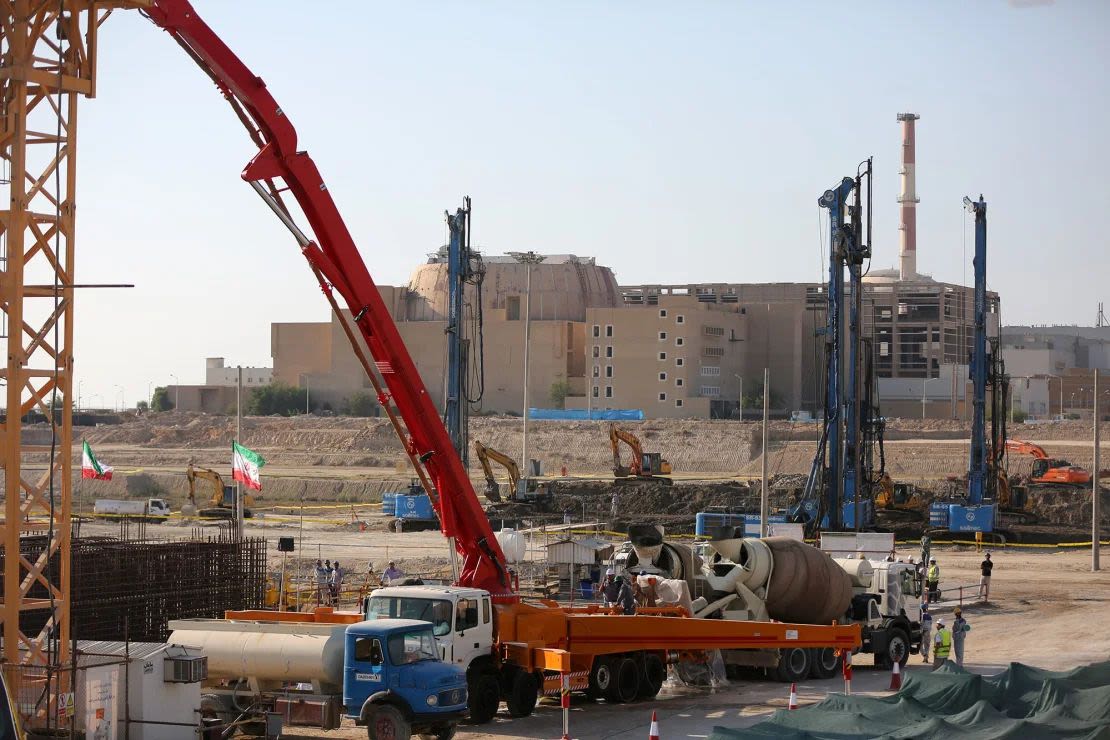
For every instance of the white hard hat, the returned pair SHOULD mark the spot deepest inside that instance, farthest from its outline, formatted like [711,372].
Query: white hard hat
[610,572]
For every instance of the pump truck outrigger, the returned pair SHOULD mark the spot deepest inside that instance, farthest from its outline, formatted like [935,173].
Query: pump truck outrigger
[531,643]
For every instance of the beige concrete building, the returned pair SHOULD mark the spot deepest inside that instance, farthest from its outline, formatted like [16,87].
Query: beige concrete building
[669,350]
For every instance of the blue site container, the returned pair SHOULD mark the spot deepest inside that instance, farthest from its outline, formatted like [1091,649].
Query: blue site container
[962,518]
[414,506]
[389,504]
[707,521]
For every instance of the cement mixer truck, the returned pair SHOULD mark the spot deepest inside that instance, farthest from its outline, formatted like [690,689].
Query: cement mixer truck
[782,579]
[786,580]
[385,675]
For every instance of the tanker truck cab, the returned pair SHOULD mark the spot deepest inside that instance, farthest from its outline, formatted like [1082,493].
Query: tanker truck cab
[886,603]
[395,684]
[462,622]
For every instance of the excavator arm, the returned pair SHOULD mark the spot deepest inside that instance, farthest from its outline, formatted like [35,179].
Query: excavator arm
[279,168]
[493,490]
[618,435]
[1026,448]
[217,481]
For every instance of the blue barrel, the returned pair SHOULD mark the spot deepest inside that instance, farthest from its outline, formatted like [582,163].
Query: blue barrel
[389,504]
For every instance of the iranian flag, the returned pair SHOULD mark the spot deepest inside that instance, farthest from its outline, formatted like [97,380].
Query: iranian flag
[91,467]
[245,465]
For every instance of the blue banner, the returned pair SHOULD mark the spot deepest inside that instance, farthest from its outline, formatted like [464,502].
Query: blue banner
[583,415]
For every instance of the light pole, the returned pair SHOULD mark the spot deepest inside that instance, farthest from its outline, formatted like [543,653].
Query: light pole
[176,391]
[740,398]
[79,384]
[118,400]
[528,259]
[307,407]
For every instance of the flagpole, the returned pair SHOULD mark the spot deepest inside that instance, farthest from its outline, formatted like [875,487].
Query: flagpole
[239,439]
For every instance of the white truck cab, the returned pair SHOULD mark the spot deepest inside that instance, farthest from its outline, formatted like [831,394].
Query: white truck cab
[462,618]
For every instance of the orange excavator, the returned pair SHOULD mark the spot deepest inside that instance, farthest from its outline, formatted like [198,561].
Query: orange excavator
[643,465]
[1047,469]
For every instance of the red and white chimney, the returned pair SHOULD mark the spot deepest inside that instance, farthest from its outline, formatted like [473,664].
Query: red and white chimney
[907,255]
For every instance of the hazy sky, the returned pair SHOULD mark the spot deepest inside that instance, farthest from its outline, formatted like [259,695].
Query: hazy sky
[675,142]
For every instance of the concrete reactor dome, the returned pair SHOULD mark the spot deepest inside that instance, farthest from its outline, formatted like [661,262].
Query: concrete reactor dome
[563,287]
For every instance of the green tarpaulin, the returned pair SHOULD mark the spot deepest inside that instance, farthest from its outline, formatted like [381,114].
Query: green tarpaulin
[1021,702]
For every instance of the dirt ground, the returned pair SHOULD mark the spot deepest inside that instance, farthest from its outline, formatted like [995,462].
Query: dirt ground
[1047,609]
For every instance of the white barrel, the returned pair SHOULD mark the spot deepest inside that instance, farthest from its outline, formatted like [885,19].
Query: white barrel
[512,544]
[266,651]
[860,572]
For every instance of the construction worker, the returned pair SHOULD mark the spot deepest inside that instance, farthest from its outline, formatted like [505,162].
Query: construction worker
[625,597]
[926,632]
[321,582]
[985,569]
[336,583]
[942,644]
[610,588]
[391,574]
[960,628]
[932,580]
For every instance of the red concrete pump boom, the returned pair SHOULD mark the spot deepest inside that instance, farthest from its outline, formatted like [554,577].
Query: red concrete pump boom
[335,260]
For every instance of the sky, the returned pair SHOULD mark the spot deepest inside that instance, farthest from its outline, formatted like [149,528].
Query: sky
[674,142]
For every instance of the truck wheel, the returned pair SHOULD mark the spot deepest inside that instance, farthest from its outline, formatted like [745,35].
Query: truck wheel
[523,693]
[655,673]
[793,665]
[825,663]
[626,681]
[601,676]
[897,649]
[386,722]
[484,699]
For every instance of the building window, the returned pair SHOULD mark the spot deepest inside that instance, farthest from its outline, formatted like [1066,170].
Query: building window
[608,391]
[678,382]
[608,371]
[680,319]
[679,361]
[597,351]
[662,336]
[662,396]
[662,313]
[678,403]
[711,391]
[512,308]
[594,391]
[662,376]
[597,331]
[609,351]
[713,331]
[713,351]
[678,342]
[597,371]
[710,371]
[608,330]
[662,355]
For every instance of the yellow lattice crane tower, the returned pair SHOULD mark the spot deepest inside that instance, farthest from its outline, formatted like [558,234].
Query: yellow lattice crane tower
[47,61]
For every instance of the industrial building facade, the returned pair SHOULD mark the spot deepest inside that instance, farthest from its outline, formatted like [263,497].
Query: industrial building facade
[668,350]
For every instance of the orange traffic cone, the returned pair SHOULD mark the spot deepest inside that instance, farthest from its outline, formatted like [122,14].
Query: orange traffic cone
[793,696]
[896,676]
[653,733]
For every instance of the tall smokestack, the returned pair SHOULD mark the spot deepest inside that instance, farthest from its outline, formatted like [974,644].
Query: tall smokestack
[907,256]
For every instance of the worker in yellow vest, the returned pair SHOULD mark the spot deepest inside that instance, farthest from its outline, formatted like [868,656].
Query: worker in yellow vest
[932,581]
[942,644]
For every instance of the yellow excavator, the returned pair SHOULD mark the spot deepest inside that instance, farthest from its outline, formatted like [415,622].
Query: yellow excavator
[898,499]
[534,494]
[221,505]
[644,466]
